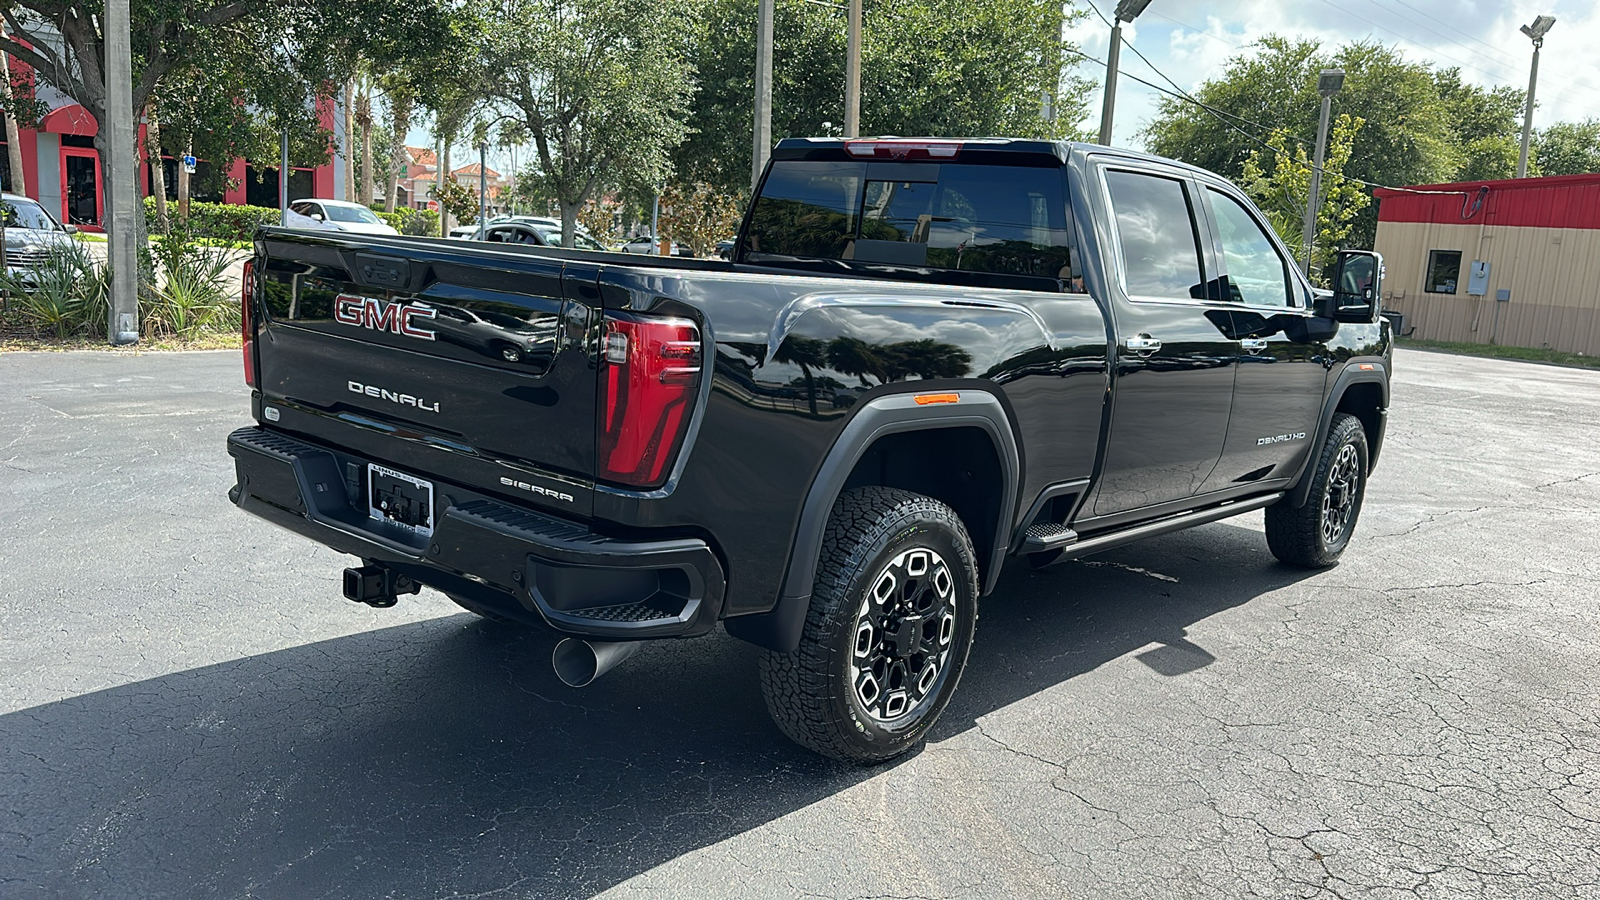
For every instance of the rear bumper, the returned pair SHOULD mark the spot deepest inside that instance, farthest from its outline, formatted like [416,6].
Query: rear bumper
[576,581]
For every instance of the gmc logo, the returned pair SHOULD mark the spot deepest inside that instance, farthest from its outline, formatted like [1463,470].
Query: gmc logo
[382,315]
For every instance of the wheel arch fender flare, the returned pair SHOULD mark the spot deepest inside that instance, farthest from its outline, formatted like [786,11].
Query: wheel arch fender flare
[1356,371]
[780,628]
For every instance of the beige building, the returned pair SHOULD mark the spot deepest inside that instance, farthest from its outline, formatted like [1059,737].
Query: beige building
[1514,262]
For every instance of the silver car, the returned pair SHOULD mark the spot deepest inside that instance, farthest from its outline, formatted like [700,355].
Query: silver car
[33,236]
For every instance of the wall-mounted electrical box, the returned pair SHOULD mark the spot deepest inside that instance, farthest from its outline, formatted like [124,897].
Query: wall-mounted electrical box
[1503,295]
[1478,278]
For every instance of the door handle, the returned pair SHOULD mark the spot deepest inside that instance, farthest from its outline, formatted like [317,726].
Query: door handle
[1253,345]
[1143,344]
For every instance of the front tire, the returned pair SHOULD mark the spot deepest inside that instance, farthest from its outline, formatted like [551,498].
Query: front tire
[1316,534]
[892,616]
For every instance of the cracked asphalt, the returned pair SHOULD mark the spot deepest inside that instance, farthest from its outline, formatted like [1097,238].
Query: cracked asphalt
[189,709]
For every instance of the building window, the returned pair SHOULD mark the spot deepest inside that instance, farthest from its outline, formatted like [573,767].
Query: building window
[1444,270]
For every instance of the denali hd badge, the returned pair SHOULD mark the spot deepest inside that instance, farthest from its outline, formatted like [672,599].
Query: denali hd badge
[1280,438]
[383,315]
[372,390]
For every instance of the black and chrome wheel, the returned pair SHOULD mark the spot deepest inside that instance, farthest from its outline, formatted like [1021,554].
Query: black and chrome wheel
[892,615]
[903,633]
[1317,533]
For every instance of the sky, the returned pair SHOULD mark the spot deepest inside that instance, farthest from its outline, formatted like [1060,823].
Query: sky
[1191,42]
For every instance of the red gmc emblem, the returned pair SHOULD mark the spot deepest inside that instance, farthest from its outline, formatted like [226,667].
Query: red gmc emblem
[383,315]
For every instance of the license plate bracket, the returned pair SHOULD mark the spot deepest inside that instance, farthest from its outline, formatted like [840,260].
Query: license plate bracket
[401,499]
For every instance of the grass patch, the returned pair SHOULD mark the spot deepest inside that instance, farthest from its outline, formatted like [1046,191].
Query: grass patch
[88,237]
[1495,351]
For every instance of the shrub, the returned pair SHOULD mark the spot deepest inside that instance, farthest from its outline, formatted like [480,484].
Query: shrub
[415,222]
[65,294]
[189,299]
[220,221]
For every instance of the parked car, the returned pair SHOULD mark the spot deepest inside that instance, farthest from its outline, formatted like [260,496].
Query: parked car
[342,216]
[537,236]
[926,356]
[463,232]
[33,236]
[724,248]
[646,245]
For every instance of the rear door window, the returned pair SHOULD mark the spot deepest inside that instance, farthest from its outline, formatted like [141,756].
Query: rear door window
[1002,219]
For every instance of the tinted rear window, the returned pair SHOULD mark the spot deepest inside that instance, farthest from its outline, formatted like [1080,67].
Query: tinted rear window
[979,218]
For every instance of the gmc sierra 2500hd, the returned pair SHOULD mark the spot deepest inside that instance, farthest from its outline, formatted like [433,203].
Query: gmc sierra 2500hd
[925,356]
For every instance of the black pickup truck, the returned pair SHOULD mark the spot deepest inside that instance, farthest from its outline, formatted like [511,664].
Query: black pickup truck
[925,356]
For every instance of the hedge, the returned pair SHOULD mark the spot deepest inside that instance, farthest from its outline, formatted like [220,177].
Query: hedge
[224,221]
[418,222]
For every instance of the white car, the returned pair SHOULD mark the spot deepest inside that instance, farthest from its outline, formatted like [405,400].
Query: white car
[646,245]
[342,216]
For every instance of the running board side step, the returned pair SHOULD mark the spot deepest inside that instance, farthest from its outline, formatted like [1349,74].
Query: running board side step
[1086,546]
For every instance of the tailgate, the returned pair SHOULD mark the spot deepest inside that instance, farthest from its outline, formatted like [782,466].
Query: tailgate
[471,364]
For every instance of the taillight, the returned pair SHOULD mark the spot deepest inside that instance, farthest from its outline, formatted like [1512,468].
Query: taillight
[649,372]
[899,148]
[247,303]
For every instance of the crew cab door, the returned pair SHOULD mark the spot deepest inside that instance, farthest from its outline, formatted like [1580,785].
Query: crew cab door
[1281,346]
[1173,377]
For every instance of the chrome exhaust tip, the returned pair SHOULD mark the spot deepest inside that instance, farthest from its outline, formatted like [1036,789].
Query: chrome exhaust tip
[578,662]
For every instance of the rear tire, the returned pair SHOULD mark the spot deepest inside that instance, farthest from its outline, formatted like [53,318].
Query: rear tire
[1316,534]
[892,616]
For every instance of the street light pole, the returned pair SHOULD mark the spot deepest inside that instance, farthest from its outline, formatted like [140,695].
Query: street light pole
[1127,11]
[1328,84]
[852,73]
[763,126]
[1536,31]
[283,178]
[123,327]
[483,187]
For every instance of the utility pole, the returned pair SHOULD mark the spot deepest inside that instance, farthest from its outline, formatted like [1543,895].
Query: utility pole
[123,327]
[852,74]
[763,111]
[483,187]
[1536,31]
[283,178]
[1127,11]
[1328,84]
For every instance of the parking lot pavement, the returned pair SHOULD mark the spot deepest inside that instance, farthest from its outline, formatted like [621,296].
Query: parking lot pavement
[189,709]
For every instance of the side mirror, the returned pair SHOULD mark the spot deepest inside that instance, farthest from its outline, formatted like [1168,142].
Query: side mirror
[317,216]
[1357,287]
[70,229]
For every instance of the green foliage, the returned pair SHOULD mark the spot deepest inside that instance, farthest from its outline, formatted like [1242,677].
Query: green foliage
[1487,126]
[64,295]
[600,85]
[1569,148]
[460,201]
[1411,134]
[221,221]
[967,69]
[415,222]
[1281,184]
[698,216]
[187,298]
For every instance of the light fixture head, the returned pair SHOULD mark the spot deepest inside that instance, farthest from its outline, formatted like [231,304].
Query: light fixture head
[1540,27]
[1330,81]
[1128,10]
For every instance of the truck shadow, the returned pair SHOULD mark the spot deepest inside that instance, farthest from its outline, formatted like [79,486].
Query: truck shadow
[443,758]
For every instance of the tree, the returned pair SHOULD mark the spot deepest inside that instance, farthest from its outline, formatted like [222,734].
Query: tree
[1569,148]
[1487,126]
[1280,185]
[1407,139]
[698,216]
[601,86]
[967,69]
[63,42]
